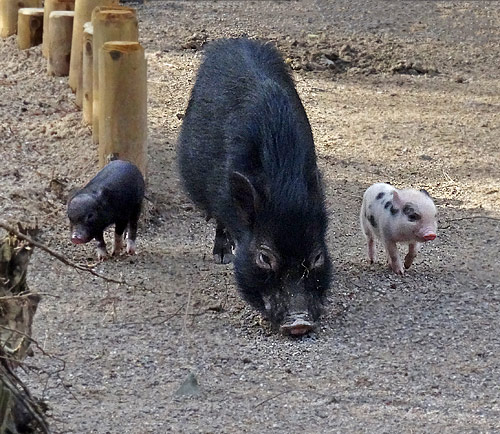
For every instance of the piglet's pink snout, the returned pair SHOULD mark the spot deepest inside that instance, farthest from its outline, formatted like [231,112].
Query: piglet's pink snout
[429,236]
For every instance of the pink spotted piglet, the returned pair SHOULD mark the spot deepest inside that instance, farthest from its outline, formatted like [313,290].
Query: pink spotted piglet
[397,216]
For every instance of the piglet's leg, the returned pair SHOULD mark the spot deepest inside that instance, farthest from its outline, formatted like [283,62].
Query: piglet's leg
[371,249]
[132,231]
[102,253]
[393,257]
[412,253]
[119,229]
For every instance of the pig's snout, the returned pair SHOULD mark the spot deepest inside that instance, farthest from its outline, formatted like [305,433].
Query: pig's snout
[297,324]
[77,239]
[430,236]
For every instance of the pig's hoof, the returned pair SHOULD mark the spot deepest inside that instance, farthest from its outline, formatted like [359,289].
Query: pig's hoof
[130,247]
[398,270]
[223,253]
[408,262]
[223,258]
[102,255]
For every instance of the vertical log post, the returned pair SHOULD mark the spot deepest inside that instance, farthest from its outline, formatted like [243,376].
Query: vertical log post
[60,32]
[122,103]
[8,14]
[29,27]
[83,14]
[110,24]
[87,72]
[49,7]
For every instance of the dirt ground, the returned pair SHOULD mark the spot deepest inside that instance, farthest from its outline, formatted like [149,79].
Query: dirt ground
[396,91]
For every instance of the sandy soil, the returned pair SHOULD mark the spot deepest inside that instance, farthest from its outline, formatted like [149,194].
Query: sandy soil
[404,92]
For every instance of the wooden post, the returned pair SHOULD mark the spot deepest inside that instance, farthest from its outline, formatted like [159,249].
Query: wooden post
[29,27]
[83,14]
[87,70]
[8,14]
[49,7]
[110,24]
[122,103]
[60,32]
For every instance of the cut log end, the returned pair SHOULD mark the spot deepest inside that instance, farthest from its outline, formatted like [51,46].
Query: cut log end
[59,42]
[29,27]
[119,47]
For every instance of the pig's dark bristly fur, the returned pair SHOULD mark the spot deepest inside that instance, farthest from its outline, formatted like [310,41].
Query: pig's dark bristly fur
[247,157]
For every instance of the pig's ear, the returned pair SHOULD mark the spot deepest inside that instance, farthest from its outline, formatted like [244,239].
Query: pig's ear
[103,194]
[245,197]
[425,192]
[396,200]
[71,194]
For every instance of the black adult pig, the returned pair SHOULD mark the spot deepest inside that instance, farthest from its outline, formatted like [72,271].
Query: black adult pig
[247,158]
[113,196]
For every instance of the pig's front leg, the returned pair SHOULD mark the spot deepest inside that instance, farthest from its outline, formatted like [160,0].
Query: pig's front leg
[412,253]
[393,257]
[102,253]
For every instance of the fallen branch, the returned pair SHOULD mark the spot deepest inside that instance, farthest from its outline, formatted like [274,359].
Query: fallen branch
[321,395]
[475,217]
[33,341]
[163,319]
[58,255]
[487,217]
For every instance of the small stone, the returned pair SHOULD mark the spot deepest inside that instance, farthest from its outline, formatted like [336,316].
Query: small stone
[189,387]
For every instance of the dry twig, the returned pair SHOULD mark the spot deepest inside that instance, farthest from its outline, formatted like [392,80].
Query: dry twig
[58,255]
[33,341]
[487,217]
[321,395]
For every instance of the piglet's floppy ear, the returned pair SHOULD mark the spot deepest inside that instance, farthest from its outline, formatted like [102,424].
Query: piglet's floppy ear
[396,200]
[104,194]
[425,192]
[245,197]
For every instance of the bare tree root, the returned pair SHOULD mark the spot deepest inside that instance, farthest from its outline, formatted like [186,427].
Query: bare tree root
[22,397]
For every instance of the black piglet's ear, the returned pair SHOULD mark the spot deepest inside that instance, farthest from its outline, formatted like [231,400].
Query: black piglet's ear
[245,197]
[72,193]
[425,192]
[104,194]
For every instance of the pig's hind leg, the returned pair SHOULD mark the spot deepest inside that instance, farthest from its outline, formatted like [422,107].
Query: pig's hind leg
[223,245]
[370,241]
[412,253]
[132,231]
[119,229]
[371,249]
